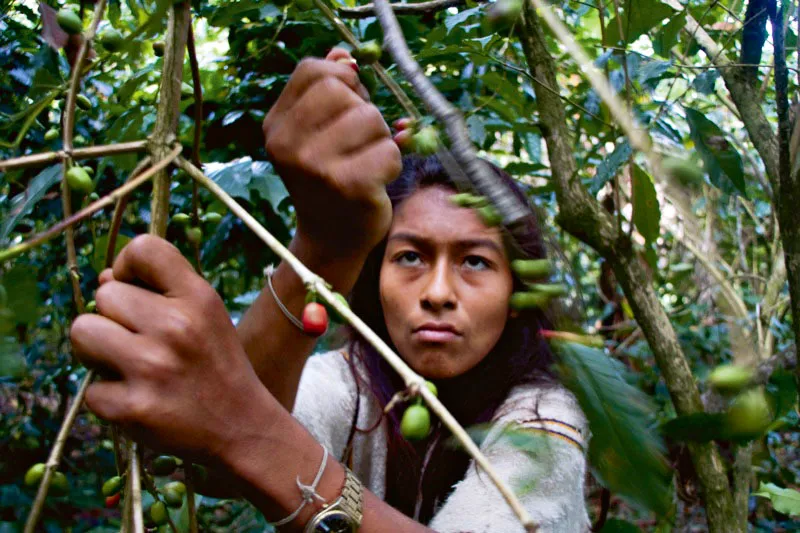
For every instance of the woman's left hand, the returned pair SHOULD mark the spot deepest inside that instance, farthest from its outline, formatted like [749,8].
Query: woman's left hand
[178,378]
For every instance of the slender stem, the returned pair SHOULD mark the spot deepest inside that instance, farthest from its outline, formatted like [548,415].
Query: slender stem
[119,209]
[150,487]
[136,488]
[198,128]
[77,153]
[55,454]
[385,77]
[507,204]
[318,285]
[400,8]
[90,209]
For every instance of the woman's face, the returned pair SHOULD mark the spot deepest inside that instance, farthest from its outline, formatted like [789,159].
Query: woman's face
[445,284]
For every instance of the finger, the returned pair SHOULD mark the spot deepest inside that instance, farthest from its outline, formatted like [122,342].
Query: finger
[102,344]
[105,276]
[380,160]
[158,264]
[337,53]
[328,94]
[110,400]
[307,73]
[353,130]
[134,308]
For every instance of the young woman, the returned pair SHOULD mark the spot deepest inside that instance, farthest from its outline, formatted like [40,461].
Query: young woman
[428,276]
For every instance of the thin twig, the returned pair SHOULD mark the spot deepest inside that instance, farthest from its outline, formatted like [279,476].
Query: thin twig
[320,287]
[400,8]
[87,211]
[77,153]
[55,454]
[198,128]
[136,488]
[504,201]
[119,209]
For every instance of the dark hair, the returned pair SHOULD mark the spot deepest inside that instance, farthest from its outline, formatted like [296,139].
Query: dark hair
[520,356]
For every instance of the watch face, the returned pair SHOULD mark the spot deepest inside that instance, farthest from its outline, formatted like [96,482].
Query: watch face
[335,522]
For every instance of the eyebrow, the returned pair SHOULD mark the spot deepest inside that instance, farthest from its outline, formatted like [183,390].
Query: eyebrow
[466,243]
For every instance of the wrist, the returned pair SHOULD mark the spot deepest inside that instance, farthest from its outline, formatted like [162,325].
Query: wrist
[268,462]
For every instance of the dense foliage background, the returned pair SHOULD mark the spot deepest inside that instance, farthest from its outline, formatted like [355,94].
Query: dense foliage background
[248,49]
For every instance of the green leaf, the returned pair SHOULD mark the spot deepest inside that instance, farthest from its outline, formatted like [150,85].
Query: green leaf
[619,417]
[610,166]
[12,362]
[646,212]
[786,501]
[240,176]
[705,81]
[639,17]
[617,525]
[696,427]
[101,247]
[720,158]
[22,204]
[23,293]
[667,37]
[782,388]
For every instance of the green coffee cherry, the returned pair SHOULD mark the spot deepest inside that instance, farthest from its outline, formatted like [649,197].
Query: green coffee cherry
[528,300]
[112,486]
[158,48]
[164,465]
[94,197]
[368,52]
[51,134]
[59,486]
[173,493]
[552,290]
[194,235]
[416,422]
[111,40]
[531,268]
[466,199]
[83,102]
[211,218]
[35,474]
[158,513]
[749,415]
[490,216]
[69,21]
[78,180]
[426,141]
[181,219]
[730,379]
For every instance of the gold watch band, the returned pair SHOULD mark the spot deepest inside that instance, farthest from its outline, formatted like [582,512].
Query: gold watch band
[349,503]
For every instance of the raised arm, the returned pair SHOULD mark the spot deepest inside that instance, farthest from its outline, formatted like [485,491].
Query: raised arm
[335,154]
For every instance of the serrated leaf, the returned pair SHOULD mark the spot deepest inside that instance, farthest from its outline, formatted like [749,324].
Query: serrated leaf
[610,166]
[720,158]
[22,204]
[619,418]
[786,501]
[646,211]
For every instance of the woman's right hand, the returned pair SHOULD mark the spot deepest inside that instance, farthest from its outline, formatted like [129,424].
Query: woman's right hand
[335,154]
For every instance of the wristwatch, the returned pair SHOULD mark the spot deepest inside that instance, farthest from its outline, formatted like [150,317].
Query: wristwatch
[344,514]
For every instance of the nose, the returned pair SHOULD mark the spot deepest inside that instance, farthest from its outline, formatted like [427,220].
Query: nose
[438,292]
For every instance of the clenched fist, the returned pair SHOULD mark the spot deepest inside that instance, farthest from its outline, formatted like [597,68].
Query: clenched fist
[335,154]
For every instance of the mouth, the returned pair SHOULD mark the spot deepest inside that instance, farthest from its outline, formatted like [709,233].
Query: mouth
[436,332]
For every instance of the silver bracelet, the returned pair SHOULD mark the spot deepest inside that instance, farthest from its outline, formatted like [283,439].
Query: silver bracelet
[269,271]
[308,492]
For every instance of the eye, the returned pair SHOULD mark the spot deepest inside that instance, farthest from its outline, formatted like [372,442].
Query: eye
[476,262]
[408,259]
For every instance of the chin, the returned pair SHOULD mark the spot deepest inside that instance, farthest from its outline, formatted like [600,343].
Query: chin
[432,362]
